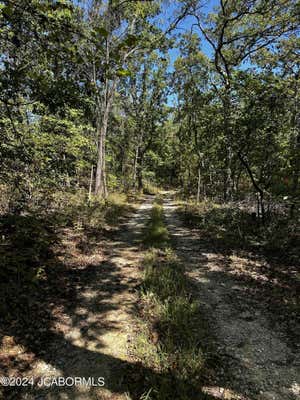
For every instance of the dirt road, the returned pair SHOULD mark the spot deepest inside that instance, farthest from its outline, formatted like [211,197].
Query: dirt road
[89,326]
[87,329]
[253,359]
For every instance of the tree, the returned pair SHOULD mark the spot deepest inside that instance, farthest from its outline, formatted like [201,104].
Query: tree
[120,29]
[37,49]
[236,32]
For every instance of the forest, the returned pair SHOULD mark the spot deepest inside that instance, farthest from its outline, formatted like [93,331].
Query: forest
[149,199]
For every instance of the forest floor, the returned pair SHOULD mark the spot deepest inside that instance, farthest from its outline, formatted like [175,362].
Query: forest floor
[248,345]
[84,322]
[87,317]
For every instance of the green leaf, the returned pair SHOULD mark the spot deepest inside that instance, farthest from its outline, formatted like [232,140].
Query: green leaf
[131,40]
[123,72]
[8,10]
[102,31]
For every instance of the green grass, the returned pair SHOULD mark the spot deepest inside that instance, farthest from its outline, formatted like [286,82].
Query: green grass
[168,338]
[156,233]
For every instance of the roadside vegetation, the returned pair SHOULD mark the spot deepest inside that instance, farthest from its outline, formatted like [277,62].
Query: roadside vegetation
[167,341]
[264,256]
[32,241]
[48,255]
[232,227]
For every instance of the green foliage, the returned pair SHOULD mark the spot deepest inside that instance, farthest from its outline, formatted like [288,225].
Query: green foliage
[151,189]
[116,206]
[101,31]
[230,228]
[123,72]
[75,210]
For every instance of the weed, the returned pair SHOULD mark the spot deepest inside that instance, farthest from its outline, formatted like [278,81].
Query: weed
[156,234]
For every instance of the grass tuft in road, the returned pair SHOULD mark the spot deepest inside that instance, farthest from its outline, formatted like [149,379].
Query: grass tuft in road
[156,233]
[168,339]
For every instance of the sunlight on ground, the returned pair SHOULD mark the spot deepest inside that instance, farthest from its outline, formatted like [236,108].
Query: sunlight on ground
[295,389]
[90,294]
[222,393]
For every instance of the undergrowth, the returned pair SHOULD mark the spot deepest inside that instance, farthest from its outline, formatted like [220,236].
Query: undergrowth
[235,229]
[27,240]
[74,210]
[150,188]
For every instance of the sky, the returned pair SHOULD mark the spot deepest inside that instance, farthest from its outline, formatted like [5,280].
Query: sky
[169,14]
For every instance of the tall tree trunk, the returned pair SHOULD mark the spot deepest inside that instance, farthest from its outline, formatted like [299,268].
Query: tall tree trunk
[199,185]
[229,183]
[139,171]
[140,177]
[102,123]
[138,161]
[228,133]
[99,180]
[295,146]
[259,191]
[91,183]
[135,165]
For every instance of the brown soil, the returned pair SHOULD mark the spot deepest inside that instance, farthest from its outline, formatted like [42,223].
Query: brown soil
[80,325]
[248,342]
